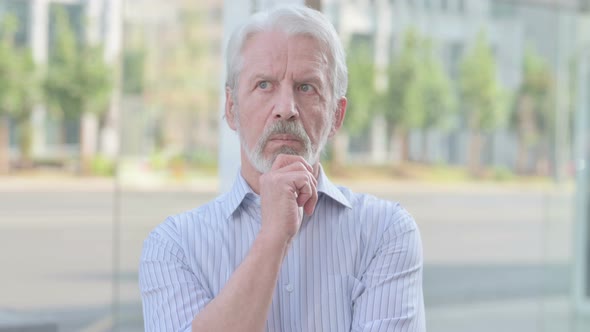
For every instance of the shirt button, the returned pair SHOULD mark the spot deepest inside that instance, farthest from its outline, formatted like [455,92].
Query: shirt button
[289,288]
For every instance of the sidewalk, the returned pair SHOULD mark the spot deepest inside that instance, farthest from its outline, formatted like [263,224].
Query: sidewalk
[61,182]
[513,277]
[148,182]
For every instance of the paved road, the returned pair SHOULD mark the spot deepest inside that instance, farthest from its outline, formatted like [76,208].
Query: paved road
[497,259]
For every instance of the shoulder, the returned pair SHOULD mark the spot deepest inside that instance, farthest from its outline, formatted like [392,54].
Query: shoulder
[387,214]
[179,229]
[385,228]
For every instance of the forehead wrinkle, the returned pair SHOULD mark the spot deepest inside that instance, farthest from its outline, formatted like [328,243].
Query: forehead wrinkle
[261,61]
[286,57]
[312,56]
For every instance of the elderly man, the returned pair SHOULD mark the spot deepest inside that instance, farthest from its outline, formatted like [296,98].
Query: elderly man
[285,249]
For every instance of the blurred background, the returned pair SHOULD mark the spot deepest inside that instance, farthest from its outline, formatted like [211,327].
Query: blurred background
[474,114]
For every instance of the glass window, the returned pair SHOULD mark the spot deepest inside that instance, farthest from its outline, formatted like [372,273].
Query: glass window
[455,56]
[461,6]
[500,9]
[75,18]
[19,10]
[487,166]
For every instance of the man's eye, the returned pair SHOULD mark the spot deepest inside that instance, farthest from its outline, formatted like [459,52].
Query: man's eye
[263,85]
[305,87]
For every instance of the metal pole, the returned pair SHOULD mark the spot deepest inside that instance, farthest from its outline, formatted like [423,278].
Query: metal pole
[560,112]
[581,273]
[114,55]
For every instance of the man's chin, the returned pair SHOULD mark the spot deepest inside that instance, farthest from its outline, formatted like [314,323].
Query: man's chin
[286,150]
[289,151]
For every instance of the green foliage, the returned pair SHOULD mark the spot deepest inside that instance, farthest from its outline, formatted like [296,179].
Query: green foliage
[501,173]
[78,79]
[175,162]
[59,86]
[19,90]
[572,91]
[430,94]
[419,94]
[102,166]
[361,90]
[133,71]
[19,83]
[535,98]
[181,79]
[158,161]
[402,74]
[176,82]
[201,158]
[481,94]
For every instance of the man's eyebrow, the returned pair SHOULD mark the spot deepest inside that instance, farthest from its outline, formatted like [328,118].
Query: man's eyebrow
[259,77]
[312,78]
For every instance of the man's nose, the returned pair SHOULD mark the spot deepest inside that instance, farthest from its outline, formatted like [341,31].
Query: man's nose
[285,107]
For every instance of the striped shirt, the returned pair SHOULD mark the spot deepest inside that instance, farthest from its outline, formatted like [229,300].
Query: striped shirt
[355,265]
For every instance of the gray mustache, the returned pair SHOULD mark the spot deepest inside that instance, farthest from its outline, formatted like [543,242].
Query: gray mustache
[288,128]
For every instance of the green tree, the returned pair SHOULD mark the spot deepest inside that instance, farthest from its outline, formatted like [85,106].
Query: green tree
[419,94]
[361,97]
[482,98]
[78,82]
[430,96]
[18,92]
[361,91]
[531,116]
[403,73]
[133,71]
[179,85]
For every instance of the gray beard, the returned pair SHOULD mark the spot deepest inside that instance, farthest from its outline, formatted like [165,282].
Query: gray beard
[256,154]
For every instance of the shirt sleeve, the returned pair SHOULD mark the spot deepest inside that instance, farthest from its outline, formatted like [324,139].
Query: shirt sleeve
[392,299]
[171,293]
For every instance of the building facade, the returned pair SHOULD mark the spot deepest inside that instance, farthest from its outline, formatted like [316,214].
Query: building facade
[548,27]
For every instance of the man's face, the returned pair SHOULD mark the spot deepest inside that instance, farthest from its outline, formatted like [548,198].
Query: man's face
[284,100]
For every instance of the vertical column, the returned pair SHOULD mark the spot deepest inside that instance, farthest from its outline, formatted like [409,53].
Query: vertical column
[560,149]
[113,40]
[234,13]
[39,27]
[581,289]
[93,10]
[89,124]
[38,41]
[113,44]
[383,32]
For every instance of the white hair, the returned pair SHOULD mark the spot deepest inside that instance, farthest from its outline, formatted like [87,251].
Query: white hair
[293,20]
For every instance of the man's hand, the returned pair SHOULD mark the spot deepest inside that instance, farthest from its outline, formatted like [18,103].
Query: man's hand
[244,301]
[286,191]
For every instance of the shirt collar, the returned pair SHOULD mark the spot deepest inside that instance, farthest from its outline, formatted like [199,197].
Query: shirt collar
[326,187]
[233,198]
[241,189]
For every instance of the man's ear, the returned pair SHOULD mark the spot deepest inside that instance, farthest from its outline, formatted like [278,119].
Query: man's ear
[229,109]
[339,116]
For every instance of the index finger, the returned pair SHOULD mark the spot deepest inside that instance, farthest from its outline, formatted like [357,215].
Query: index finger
[283,160]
